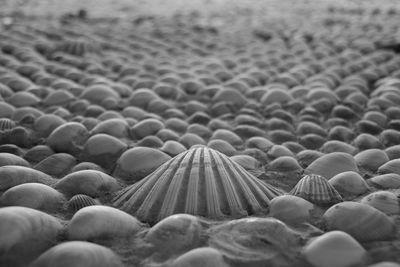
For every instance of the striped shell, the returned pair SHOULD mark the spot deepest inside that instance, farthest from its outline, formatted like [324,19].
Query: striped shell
[317,190]
[80,201]
[6,124]
[200,181]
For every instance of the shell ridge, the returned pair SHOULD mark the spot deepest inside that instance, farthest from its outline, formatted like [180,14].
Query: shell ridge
[193,183]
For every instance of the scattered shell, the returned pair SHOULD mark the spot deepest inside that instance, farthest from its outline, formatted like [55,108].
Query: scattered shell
[384,201]
[338,146]
[257,242]
[284,164]
[172,148]
[291,209]
[367,141]
[200,257]
[94,222]
[247,162]
[89,182]
[87,166]
[349,183]
[192,183]
[331,164]
[56,165]
[393,152]
[222,146]
[334,249]
[25,234]
[392,166]
[385,264]
[38,153]
[6,124]
[174,235]
[11,159]
[278,151]
[46,123]
[228,136]
[118,128]
[317,190]
[371,159]
[361,221]
[189,140]
[386,181]
[80,201]
[136,163]
[146,127]
[14,175]
[306,157]
[78,253]
[96,94]
[68,138]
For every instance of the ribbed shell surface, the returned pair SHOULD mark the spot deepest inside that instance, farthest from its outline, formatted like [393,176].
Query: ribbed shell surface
[6,124]
[80,201]
[317,190]
[200,181]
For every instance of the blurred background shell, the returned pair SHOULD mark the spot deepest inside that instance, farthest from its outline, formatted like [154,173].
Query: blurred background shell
[291,209]
[385,201]
[192,183]
[386,181]
[371,159]
[363,222]
[78,253]
[349,184]
[68,138]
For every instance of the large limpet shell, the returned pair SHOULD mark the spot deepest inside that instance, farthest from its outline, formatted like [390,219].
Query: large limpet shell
[200,181]
[384,201]
[331,164]
[94,222]
[89,182]
[136,163]
[349,183]
[25,234]
[78,253]
[174,235]
[334,249]
[33,195]
[57,165]
[14,175]
[68,138]
[257,242]
[317,190]
[361,221]
[200,257]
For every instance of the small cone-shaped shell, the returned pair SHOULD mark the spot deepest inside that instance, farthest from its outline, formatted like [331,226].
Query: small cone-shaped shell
[101,222]
[174,235]
[80,201]
[57,165]
[25,234]
[135,163]
[386,181]
[89,182]
[291,209]
[78,253]
[200,257]
[392,166]
[384,201]
[334,249]
[317,190]
[371,159]
[14,175]
[349,183]
[331,164]
[200,181]
[33,195]
[361,221]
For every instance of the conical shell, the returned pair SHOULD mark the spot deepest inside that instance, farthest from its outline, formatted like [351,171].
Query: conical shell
[317,190]
[384,201]
[200,181]
[78,253]
[361,221]
[331,164]
[80,201]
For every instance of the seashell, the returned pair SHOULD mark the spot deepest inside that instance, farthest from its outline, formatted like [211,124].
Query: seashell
[371,159]
[68,138]
[190,139]
[367,141]
[222,146]
[390,137]
[77,47]
[58,98]
[248,131]
[6,124]
[231,96]
[369,127]
[97,93]
[33,195]
[393,152]
[136,163]
[46,123]
[118,128]
[317,190]
[247,162]
[281,136]
[334,249]
[331,164]
[294,147]
[307,127]
[190,183]
[174,235]
[228,136]
[14,175]
[386,181]
[215,124]
[103,149]
[142,97]
[349,183]
[177,125]
[338,146]
[146,127]
[87,166]
[199,117]
[256,242]
[25,234]
[89,182]
[201,257]
[172,148]
[279,124]
[23,99]
[392,166]
[134,112]
[38,153]
[384,201]
[95,222]
[291,209]
[11,159]
[361,221]
[341,133]
[80,201]
[312,141]
[150,141]
[200,130]
[94,111]
[12,149]
[6,110]
[56,165]
[277,151]
[306,157]
[78,253]
[284,164]
[344,112]
[259,142]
